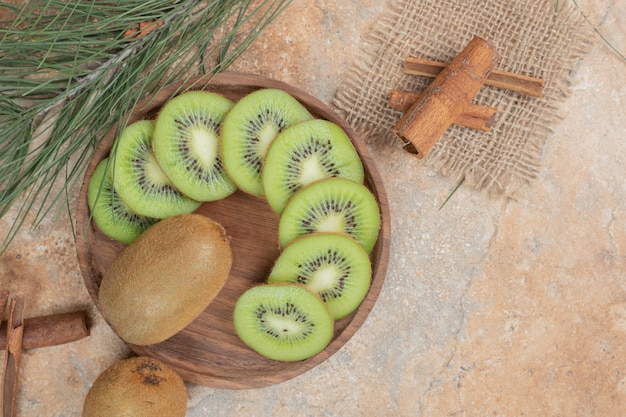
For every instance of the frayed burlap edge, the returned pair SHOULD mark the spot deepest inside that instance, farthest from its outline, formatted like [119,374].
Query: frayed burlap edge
[534,39]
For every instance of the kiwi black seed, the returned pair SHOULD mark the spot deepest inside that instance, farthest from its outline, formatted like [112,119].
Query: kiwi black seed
[138,178]
[186,143]
[331,205]
[332,265]
[110,213]
[304,153]
[284,322]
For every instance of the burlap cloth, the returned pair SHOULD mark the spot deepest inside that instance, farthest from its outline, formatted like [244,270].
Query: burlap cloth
[539,38]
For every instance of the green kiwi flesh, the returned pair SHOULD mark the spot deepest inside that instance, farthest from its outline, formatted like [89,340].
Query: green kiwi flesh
[249,129]
[138,178]
[110,213]
[304,153]
[186,142]
[334,266]
[331,205]
[283,322]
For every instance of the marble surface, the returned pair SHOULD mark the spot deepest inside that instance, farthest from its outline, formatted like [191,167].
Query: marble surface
[491,307]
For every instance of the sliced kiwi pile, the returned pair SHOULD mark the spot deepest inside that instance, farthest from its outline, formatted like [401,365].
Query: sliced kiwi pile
[202,147]
[326,232]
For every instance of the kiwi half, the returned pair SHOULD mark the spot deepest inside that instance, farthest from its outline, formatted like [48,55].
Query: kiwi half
[186,144]
[249,129]
[331,205]
[333,266]
[138,178]
[111,214]
[284,322]
[304,153]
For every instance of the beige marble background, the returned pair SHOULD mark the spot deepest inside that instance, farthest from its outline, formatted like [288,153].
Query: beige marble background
[490,307]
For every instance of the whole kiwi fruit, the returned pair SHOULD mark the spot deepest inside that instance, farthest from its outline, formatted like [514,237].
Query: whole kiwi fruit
[162,281]
[139,386]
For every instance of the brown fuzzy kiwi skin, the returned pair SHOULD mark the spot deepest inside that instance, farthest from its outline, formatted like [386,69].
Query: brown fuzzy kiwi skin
[162,281]
[140,387]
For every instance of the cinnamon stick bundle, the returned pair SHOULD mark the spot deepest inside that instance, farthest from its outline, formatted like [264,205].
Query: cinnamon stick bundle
[50,330]
[17,334]
[446,98]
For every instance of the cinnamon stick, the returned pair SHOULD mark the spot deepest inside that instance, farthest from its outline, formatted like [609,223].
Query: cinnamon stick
[446,98]
[4,299]
[508,80]
[10,376]
[474,116]
[50,330]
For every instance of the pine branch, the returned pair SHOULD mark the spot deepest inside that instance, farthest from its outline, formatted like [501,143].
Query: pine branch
[71,71]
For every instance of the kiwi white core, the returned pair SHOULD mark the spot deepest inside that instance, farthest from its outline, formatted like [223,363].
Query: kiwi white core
[154,171]
[265,137]
[284,326]
[323,278]
[331,223]
[312,170]
[204,145]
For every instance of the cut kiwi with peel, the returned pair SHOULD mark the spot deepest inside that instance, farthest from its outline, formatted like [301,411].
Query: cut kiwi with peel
[186,142]
[334,205]
[283,321]
[138,178]
[248,130]
[110,213]
[334,266]
[304,153]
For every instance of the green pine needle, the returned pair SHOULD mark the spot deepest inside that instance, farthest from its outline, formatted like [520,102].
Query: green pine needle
[68,74]
[452,193]
[596,30]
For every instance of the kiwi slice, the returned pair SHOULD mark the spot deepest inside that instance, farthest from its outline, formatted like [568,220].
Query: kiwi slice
[331,205]
[249,129]
[334,266]
[110,213]
[186,142]
[304,153]
[284,322]
[138,178]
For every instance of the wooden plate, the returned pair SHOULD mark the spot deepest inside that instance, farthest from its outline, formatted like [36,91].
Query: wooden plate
[208,351]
